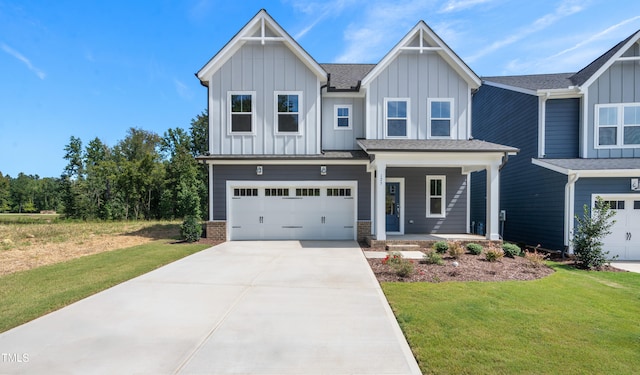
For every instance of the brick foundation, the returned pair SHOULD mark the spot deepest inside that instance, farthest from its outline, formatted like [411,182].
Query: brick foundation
[216,230]
[364,230]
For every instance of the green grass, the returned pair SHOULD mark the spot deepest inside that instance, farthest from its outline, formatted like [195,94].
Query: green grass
[29,294]
[572,322]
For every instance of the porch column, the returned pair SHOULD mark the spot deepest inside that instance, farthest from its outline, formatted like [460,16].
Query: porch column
[210,192]
[373,203]
[381,179]
[493,202]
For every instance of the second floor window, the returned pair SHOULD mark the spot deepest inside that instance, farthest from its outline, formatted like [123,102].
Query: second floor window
[342,116]
[241,112]
[440,117]
[618,125]
[396,117]
[288,112]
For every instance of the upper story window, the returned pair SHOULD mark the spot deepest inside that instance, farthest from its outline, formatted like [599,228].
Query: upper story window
[439,117]
[342,116]
[617,125]
[288,106]
[436,188]
[396,117]
[241,113]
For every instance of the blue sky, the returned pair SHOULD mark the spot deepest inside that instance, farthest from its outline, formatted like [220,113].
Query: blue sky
[96,68]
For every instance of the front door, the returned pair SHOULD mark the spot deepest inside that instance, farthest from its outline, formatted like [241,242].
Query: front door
[392,206]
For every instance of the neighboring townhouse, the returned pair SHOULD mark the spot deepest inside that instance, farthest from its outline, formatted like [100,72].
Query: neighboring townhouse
[302,150]
[579,136]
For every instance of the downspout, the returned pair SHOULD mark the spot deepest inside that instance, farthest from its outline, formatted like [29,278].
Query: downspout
[321,110]
[569,203]
[505,159]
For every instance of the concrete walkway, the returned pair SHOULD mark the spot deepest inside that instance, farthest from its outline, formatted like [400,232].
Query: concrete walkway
[631,266]
[238,308]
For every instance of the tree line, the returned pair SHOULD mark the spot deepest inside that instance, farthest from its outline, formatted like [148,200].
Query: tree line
[143,176]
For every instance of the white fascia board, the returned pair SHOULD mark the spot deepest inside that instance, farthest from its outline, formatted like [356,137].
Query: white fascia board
[343,94]
[445,52]
[286,162]
[439,159]
[588,173]
[262,18]
[610,62]
[568,93]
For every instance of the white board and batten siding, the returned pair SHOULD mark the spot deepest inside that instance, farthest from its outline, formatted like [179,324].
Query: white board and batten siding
[342,139]
[265,69]
[418,77]
[618,84]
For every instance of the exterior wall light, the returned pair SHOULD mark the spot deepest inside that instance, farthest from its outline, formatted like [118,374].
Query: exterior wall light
[323,170]
[259,170]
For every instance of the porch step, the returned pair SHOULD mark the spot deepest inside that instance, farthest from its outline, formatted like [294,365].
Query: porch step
[402,247]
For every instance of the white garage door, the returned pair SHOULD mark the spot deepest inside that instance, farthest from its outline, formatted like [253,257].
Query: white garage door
[280,211]
[624,240]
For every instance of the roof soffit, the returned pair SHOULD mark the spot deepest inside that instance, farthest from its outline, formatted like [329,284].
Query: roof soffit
[262,28]
[422,39]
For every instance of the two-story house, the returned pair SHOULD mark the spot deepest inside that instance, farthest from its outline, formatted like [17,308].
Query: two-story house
[302,150]
[579,136]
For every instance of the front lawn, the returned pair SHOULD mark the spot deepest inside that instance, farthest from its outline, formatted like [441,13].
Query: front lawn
[29,294]
[572,322]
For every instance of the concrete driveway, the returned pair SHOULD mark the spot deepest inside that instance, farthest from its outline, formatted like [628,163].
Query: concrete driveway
[237,308]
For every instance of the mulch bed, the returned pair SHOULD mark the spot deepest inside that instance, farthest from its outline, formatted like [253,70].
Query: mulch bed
[469,268]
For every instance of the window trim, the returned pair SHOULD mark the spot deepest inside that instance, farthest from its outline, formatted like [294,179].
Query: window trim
[386,118]
[276,113]
[430,118]
[443,196]
[349,118]
[619,126]
[230,131]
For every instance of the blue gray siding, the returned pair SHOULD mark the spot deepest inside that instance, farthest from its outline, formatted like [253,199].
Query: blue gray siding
[415,185]
[619,84]
[265,70]
[418,77]
[341,139]
[562,128]
[532,196]
[224,173]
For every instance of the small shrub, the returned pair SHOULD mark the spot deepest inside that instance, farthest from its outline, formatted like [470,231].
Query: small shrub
[588,235]
[474,248]
[455,250]
[535,258]
[494,254]
[441,247]
[401,267]
[511,250]
[191,229]
[433,258]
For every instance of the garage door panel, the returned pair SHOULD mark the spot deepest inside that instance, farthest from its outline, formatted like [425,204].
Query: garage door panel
[303,213]
[624,239]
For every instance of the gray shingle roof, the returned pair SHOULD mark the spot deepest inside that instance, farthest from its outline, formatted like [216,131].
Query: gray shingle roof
[535,81]
[594,164]
[437,145]
[346,76]
[561,80]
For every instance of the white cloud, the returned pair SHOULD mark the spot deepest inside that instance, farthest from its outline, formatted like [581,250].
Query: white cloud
[565,9]
[382,25]
[458,5]
[25,60]
[182,89]
[319,11]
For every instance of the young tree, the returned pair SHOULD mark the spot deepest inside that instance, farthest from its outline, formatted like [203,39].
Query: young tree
[588,235]
[5,193]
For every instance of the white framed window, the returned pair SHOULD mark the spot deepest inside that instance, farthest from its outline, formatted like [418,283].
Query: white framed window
[436,196]
[241,112]
[617,125]
[288,118]
[396,117]
[342,114]
[440,118]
